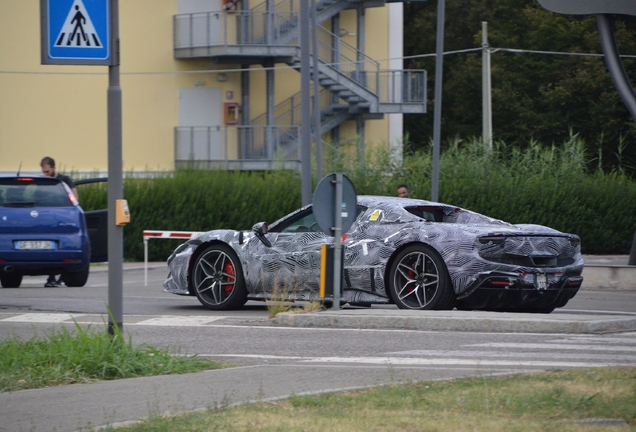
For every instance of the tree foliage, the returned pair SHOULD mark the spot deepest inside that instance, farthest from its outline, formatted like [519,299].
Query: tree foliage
[535,97]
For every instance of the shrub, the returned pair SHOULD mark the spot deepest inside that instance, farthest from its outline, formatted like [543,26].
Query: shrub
[542,185]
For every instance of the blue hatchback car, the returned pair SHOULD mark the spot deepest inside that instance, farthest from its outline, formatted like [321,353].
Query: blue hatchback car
[43,231]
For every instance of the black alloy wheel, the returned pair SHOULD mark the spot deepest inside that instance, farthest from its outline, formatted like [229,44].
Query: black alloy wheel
[418,279]
[217,278]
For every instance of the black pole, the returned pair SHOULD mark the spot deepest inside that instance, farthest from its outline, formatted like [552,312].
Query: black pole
[620,80]
[115,182]
[632,253]
[614,63]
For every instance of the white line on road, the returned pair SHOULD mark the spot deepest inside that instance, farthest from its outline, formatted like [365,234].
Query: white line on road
[406,361]
[177,321]
[596,339]
[554,346]
[548,355]
[42,318]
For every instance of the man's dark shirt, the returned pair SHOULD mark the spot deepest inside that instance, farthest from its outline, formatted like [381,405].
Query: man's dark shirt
[66,179]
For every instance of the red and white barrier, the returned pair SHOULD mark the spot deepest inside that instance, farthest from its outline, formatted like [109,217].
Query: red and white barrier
[150,234]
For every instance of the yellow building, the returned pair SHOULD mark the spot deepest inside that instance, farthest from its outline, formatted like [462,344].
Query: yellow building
[214,83]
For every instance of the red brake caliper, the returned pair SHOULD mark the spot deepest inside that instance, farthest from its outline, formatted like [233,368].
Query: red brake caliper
[412,274]
[229,269]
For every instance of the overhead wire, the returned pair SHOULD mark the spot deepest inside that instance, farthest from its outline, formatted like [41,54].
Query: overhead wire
[274,68]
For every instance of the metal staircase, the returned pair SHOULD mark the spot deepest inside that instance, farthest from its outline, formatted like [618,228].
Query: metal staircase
[350,87]
[351,82]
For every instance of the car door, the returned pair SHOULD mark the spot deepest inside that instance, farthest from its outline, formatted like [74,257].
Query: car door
[292,262]
[97,226]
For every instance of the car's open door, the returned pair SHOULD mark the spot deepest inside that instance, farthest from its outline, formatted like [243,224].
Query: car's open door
[97,225]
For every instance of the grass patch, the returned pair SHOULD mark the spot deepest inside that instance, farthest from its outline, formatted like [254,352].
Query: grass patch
[82,356]
[279,306]
[550,401]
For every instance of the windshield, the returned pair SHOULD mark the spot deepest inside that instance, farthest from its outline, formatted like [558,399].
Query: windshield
[33,192]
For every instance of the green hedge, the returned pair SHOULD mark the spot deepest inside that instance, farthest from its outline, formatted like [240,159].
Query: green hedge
[197,200]
[542,185]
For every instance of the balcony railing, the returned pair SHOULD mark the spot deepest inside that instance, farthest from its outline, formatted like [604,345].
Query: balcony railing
[214,29]
[402,86]
[242,147]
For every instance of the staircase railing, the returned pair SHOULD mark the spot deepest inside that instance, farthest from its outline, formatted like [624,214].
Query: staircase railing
[348,60]
[288,111]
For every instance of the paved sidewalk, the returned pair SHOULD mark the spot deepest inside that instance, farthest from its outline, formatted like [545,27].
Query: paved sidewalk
[112,403]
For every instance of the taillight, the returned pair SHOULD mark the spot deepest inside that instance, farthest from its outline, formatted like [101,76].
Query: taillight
[503,282]
[71,196]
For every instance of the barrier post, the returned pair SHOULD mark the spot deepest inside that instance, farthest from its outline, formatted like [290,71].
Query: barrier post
[145,261]
[148,234]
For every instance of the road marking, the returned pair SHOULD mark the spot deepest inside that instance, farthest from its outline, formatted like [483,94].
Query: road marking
[177,321]
[406,361]
[553,346]
[527,355]
[42,318]
[401,361]
[596,339]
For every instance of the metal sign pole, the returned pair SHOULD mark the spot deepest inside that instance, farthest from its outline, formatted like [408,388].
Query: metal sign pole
[115,182]
[486,87]
[305,103]
[337,243]
[437,114]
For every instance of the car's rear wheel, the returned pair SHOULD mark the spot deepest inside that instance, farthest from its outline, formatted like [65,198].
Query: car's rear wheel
[217,279]
[10,280]
[76,279]
[418,279]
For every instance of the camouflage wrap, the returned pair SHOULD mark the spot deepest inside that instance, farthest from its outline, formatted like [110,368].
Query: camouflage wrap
[472,247]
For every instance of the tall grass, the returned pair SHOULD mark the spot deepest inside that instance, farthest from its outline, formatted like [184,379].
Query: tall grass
[547,185]
[65,357]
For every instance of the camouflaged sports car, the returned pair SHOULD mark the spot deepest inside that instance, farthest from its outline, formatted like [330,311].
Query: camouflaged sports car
[413,253]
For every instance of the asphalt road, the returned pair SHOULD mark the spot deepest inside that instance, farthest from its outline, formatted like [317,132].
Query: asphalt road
[168,320]
[151,300]
[273,360]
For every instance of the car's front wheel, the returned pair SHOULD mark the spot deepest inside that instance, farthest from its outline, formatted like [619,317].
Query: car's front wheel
[217,279]
[10,280]
[76,279]
[418,279]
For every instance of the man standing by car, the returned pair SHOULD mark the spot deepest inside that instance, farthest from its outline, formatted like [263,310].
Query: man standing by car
[48,169]
[403,191]
[47,164]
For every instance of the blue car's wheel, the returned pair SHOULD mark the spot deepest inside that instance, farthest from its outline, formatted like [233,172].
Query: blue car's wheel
[76,279]
[10,280]
[418,279]
[217,278]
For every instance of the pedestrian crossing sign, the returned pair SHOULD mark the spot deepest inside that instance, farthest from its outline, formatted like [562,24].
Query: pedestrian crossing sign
[76,32]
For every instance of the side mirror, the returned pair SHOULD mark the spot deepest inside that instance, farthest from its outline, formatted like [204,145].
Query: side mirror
[260,229]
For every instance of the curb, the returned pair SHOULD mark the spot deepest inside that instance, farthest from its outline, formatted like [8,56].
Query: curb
[461,321]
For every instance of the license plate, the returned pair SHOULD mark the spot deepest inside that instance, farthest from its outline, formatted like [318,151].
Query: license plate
[35,245]
[541,280]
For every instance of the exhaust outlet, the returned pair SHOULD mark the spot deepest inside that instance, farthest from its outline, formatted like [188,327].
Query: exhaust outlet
[8,269]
